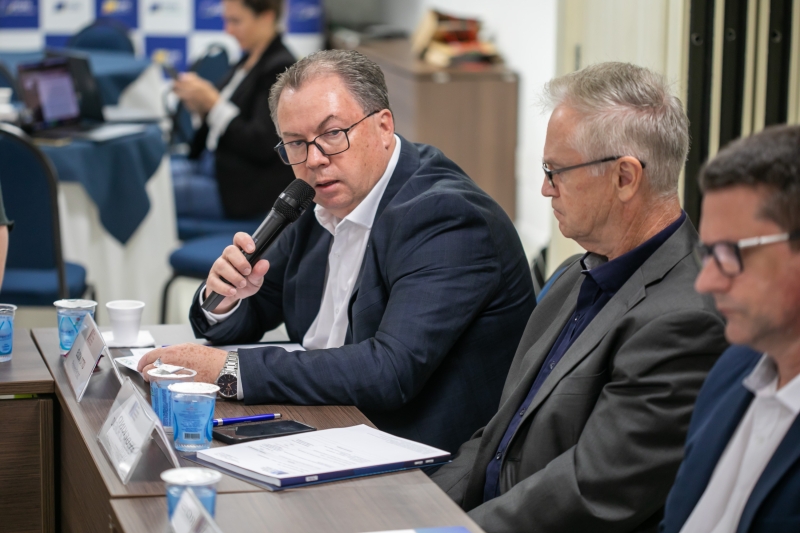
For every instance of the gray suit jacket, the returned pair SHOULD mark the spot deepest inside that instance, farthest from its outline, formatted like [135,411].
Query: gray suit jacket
[600,444]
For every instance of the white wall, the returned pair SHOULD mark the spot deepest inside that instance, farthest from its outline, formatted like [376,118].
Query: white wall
[525,32]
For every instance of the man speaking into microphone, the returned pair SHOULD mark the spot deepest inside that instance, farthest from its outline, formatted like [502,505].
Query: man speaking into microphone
[406,284]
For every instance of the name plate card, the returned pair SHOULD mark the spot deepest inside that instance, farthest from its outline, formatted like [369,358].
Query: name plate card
[191,517]
[126,430]
[84,355]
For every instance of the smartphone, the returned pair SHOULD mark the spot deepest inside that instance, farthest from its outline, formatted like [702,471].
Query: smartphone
[171,72]
[264,430]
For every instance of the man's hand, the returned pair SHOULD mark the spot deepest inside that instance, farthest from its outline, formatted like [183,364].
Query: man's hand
[197,94]
[207,361]
[232,266]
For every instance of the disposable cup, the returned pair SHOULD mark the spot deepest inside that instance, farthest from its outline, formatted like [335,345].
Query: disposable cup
[125,317]
[70,314]
[160,397]
[192,415]
[6,331]
[203,481]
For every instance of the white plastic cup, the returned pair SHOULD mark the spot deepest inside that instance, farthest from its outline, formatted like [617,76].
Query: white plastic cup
[125,317]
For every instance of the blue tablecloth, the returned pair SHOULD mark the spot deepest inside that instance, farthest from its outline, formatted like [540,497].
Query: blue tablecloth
[114,174]
[113,70]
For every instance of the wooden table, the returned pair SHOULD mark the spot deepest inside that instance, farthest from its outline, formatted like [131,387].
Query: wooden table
[404,500]
[94,499]
[27,495]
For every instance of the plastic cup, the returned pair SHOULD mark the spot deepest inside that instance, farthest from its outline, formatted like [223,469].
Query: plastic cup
[125,317]
[203,482]
[192,415]
[160,397]
[70,313]
[6,331]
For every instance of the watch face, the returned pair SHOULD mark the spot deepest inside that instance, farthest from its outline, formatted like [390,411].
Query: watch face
[228,385]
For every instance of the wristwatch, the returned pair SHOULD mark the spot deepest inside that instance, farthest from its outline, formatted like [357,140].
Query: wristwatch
[228,380]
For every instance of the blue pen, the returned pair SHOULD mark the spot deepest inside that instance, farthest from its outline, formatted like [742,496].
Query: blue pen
[238,419]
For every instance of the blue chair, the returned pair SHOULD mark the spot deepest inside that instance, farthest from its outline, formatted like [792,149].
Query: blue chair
[540,294]
[109,35]
[194,260]
[36,273]
[8,80]
[212,66]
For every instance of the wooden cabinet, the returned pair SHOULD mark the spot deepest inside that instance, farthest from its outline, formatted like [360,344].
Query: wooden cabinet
[468,113]
[27,488]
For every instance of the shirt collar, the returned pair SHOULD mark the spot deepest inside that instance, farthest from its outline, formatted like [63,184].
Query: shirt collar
[610,276]
[364,213]
[763,381]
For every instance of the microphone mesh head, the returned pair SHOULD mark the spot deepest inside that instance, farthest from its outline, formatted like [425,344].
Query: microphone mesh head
[299,191]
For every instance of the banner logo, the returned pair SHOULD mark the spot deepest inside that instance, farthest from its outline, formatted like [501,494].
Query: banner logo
[19,14]
[208,15]
[122,10]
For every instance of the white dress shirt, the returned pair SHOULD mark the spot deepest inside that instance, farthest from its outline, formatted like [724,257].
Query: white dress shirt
[224,111]
[761,430]
[350,236]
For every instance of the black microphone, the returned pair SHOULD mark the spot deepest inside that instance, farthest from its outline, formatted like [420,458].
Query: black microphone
[288,207]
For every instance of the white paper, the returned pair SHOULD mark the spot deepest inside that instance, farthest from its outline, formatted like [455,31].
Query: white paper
[191,517]
[319,452]
[83,357]
[126,435]
[132,361]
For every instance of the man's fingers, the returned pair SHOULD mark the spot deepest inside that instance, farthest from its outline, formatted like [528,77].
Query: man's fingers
[245,242]
[236,258]
[144,372]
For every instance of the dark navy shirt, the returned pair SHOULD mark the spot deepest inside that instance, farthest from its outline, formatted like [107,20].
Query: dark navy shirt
[600,284]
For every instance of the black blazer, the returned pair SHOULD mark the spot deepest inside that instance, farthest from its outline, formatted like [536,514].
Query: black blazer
[249,173]
[439,306]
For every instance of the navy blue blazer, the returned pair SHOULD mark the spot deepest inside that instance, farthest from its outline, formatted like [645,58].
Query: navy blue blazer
[439,306]
[774,504]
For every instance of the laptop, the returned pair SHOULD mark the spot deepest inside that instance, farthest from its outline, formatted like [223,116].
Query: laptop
[93,108]
[48,92]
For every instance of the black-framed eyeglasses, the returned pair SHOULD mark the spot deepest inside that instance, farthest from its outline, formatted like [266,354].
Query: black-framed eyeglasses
[552,172]
[728,255]
[329,143]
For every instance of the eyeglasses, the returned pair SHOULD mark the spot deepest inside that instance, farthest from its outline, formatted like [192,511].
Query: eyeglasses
[550,173]
[728,255]
[329,143]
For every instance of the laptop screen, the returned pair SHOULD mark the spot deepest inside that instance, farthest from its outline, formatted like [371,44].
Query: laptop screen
[49,93]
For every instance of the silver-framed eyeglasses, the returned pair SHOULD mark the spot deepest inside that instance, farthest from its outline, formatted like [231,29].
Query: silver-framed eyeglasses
[329,143]
[552,172]
[728,255]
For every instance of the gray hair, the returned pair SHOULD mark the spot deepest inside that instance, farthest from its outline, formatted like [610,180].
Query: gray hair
[362,77]
[628,110]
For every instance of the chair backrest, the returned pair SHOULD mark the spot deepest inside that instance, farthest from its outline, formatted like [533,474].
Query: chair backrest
[8,80]
[213,65]
[556,274]
[30,195]
[103,34]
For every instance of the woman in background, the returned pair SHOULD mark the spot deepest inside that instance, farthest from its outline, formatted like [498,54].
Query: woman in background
[237,129]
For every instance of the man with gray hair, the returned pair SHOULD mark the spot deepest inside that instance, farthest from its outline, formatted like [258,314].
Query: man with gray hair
[407,285]
[595,408]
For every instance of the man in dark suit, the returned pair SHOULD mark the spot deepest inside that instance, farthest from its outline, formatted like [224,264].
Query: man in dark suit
[741,471]
[598,400]
[407,284]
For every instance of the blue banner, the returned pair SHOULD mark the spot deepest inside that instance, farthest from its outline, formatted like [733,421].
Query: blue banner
[167,51]
[126,11]
[19,13]
[208,15]
[56,41]
[304,16]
